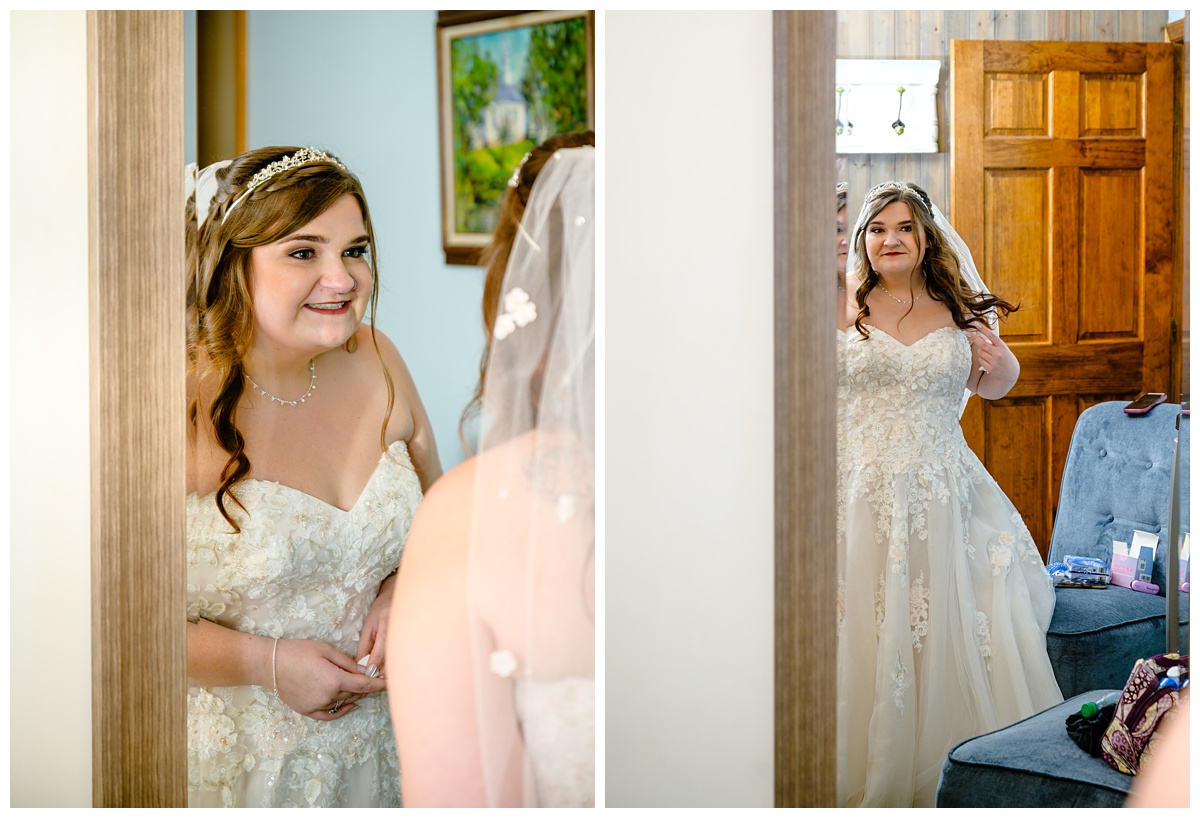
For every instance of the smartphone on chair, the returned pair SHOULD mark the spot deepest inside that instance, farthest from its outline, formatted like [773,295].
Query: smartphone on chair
[1144,403]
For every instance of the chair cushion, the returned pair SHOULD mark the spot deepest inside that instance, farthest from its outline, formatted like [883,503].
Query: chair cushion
[1096,636]
[1032,763]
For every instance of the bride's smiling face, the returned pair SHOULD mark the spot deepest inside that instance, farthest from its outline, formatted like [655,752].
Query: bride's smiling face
[311,288]
[895,241]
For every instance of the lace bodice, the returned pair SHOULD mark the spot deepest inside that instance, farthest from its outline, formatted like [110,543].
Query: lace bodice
[299,569]
[898,405]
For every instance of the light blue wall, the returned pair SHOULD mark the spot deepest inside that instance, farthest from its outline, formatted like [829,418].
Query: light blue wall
[189,85]
[364,86]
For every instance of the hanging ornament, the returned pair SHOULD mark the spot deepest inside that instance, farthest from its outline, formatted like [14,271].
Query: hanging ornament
[898,125]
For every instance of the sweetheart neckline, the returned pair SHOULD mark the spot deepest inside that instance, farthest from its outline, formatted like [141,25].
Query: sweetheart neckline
[370,480]
[897,340]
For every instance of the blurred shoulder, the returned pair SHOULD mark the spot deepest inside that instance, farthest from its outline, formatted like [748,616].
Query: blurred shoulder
[441,529]
[453,493]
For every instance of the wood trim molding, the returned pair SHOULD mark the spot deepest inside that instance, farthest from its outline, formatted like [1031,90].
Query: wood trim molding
[1173,31]
[220,85]
[136,252]
[805,413]
[240,55]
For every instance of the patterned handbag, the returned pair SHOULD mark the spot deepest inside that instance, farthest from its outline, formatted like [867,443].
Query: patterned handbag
[1139,710]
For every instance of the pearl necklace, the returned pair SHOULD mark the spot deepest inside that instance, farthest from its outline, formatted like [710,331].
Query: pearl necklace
[312,384]
[897,300]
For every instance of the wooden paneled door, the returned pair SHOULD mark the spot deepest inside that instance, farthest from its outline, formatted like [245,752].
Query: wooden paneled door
[1061,166]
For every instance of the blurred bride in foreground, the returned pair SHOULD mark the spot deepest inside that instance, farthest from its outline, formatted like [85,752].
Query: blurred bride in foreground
[492,639]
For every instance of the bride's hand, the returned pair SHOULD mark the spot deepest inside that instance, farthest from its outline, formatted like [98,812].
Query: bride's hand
[318,680]
[996,367]
[373,640]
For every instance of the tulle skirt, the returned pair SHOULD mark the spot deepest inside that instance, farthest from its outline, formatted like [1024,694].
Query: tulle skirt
[944,602]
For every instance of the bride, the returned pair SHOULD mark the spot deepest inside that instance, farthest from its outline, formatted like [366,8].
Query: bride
[307,455]
[493,632]
[943,598]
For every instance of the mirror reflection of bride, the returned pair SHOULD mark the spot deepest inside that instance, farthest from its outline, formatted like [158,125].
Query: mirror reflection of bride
[308,452]
[943,598]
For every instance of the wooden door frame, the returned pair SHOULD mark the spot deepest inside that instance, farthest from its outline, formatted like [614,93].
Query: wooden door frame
[220,85]
[139,642]
[136,263]
[805,417]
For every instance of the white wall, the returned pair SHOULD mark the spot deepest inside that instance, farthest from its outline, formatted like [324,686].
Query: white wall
[689,617]
[50,752]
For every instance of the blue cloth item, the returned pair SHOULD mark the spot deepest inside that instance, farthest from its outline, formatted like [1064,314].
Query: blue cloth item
[1033,763]
[1116,481]
[1086,565]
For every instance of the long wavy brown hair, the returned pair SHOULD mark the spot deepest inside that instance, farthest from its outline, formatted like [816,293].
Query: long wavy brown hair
[220,311]
[940,266]
[495,255]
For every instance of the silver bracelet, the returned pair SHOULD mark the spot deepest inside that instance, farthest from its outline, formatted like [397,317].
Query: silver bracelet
[274,680]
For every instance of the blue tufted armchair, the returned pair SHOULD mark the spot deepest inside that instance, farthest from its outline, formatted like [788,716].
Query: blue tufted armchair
[1117,479]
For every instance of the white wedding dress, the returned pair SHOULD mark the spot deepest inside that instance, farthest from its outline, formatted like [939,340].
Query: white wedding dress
[943,599]
[299,569]
[558,723]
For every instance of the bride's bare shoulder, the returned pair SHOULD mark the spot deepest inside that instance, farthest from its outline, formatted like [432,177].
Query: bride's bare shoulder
[443,518]
[487,484]
[453,489]
[847,309]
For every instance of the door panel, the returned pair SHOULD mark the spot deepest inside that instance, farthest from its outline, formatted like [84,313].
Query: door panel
[1016,105]
[1111,105]
[1111,259]
[1017,435]
[1061,165]
[1016,247]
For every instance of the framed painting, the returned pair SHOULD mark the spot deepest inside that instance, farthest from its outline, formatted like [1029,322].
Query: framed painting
[507,81]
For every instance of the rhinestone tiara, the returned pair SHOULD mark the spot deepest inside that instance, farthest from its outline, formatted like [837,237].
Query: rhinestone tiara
[304,156]
[515,179]
[891,184]
[897,185]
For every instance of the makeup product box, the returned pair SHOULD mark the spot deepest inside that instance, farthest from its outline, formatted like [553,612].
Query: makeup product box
[1134,562]
[1185,576]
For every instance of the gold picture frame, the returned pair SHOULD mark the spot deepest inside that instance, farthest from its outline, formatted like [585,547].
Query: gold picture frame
[506,82]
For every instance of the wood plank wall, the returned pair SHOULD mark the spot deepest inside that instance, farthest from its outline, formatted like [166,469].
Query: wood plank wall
[926,35]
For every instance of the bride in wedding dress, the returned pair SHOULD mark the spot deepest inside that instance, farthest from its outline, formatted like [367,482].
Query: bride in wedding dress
[492,682]
[943,599]
[308,451]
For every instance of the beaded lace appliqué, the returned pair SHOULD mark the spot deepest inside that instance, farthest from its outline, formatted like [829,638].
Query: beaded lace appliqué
[300,568]
[984,634]
[502,663]
[902,680]
[918,606]
[518,312]
[896,458]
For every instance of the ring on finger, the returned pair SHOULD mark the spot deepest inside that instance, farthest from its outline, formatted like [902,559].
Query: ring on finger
[335,707]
